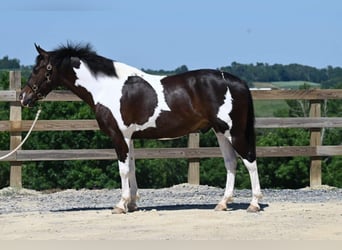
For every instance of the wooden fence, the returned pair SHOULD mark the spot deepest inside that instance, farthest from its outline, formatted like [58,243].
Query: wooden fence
[193,152]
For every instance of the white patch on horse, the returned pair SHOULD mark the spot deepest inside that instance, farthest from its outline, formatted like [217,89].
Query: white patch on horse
[225,110]
[106,90]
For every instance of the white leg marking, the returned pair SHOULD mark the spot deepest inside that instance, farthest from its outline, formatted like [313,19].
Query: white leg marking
[229,157]
[253,173]
[125,190]
[128,181]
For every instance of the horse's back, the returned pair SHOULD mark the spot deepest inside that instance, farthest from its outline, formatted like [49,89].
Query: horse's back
[205,80]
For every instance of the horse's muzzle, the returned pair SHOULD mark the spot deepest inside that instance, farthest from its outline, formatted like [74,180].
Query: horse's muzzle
[27,99]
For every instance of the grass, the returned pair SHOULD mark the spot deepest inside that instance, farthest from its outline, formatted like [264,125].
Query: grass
[266,108]
[286,84]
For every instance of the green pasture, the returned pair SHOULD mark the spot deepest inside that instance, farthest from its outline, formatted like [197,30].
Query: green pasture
[270,108]
[274,108]
[286,84]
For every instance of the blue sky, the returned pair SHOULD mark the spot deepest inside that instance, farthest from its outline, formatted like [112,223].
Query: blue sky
[166,34]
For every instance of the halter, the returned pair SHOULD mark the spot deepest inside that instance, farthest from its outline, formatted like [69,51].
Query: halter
[35,88]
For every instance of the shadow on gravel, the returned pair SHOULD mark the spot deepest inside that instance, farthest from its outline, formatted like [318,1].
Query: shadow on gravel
[231,207]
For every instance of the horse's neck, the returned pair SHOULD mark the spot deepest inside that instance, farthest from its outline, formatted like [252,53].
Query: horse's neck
[82,93]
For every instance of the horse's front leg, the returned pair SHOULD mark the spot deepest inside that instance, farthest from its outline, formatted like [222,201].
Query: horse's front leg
[108,124]
[128,183]
[122,206]
[132,205]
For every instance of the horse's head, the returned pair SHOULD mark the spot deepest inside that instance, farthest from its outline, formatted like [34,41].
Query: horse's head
[41,80]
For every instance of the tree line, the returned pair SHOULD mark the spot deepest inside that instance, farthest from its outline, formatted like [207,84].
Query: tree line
[291,172]
[10,64]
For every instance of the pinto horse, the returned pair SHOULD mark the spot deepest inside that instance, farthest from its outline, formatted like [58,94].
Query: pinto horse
[129,103]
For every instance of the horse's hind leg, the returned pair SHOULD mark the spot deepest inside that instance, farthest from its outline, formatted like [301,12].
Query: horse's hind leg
[229,157]
[247,153]
[256,192]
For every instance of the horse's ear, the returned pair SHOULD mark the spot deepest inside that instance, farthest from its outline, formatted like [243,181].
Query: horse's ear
[40,50]
[75,62]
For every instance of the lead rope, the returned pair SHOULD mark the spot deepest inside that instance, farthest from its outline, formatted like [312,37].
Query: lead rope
[26,137]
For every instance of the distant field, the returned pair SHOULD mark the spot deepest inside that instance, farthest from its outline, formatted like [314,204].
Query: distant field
[266,108]
[285,85]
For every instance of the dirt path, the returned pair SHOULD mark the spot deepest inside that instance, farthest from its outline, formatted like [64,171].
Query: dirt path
[277,221]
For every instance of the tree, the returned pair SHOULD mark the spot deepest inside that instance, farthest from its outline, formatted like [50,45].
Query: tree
[6,63]
[4,136]
[178,70]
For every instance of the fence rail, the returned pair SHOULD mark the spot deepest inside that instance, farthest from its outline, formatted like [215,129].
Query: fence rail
[308,94]
[85,124]
[171,153]
[193,152]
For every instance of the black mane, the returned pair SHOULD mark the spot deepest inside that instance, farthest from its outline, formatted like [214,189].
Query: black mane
[97,64]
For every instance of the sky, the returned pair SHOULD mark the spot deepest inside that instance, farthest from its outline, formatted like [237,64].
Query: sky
[166,34]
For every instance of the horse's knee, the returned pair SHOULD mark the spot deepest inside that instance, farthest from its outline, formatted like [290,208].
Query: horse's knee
[124,171]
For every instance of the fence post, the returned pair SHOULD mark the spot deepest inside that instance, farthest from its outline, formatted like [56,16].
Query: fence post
[194,165]
[15,134]
[315,140]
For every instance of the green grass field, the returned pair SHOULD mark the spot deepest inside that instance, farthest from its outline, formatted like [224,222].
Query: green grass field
[286,85]
[266,108]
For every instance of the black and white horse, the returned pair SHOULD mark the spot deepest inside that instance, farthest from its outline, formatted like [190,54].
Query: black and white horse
[129,103]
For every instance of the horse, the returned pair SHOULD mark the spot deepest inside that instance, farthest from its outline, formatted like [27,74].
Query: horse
[129,104]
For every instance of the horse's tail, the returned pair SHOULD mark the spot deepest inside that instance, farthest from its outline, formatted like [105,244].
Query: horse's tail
[250,130]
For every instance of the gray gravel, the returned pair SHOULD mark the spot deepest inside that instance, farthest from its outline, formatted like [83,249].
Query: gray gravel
[183,196]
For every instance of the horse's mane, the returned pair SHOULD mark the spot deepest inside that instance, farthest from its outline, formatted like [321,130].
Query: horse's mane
[85,52]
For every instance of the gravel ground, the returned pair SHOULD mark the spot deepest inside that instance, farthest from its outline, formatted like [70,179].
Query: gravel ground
[183,196]
[182,212]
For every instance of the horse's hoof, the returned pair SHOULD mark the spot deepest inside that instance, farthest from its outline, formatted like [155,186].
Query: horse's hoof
[220,207]
[253,209]
[132,207]
[117,210]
